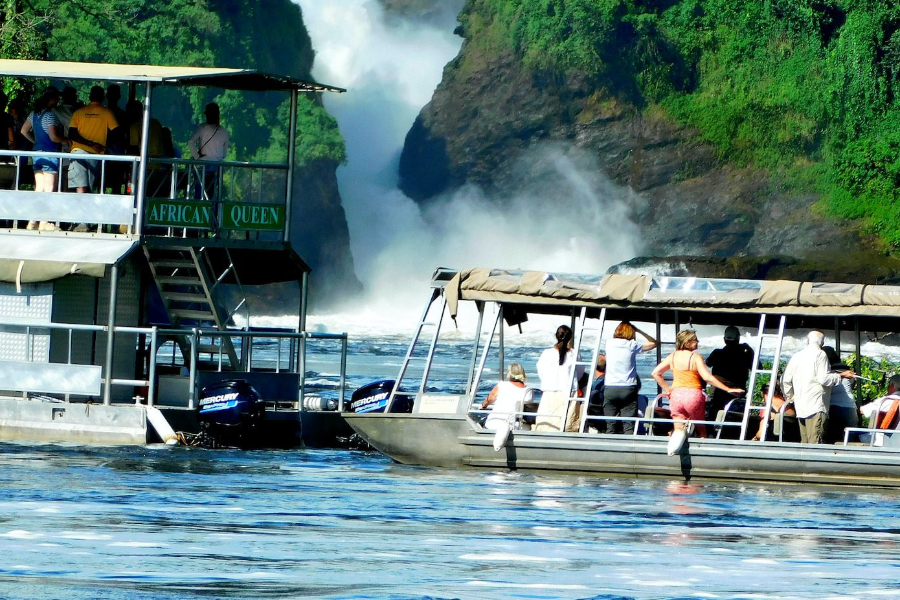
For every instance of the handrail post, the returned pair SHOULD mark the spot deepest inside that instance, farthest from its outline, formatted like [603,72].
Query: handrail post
[110,331]
[151,369]
[192,374]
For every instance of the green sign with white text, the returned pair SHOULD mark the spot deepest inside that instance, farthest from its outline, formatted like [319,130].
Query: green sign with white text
[258,217]
[178,213]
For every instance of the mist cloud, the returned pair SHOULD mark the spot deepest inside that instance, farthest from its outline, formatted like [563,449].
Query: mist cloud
[569,217]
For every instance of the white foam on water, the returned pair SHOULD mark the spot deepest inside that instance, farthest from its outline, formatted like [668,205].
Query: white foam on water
[504,557]
[139,544]
[20,534]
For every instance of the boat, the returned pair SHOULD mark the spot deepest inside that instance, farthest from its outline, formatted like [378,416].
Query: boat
[445,429]
[111,335]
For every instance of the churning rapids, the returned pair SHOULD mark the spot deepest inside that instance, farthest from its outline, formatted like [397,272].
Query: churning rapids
[158,522]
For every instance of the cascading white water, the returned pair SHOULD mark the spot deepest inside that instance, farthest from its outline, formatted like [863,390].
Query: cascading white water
[390,66]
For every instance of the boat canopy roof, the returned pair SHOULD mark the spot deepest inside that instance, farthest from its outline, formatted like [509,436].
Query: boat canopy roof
[218,77]
[541,291]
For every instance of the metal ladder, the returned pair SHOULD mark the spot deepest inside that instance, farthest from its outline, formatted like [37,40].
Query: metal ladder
[761,337]
[424,323]
[184,278]
[590,366]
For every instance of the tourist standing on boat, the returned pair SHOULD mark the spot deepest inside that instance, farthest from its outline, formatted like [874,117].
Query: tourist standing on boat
[804,382]
[555,368]
[842,409]
[44,130]
[89,131]
[209,143]
[731,364]
[508,398]
[687,402]
[621,385]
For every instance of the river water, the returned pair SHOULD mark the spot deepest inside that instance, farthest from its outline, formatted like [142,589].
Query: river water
[80,522]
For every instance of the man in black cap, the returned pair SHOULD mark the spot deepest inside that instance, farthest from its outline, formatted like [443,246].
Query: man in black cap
[731,364]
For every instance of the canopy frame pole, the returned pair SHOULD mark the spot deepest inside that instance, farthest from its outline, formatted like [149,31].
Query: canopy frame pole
[140,188]
[289,186]
[480,305]
[858,362]
[837,336]
[501,348]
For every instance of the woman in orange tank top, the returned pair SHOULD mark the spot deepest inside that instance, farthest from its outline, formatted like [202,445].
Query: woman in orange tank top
[686,398]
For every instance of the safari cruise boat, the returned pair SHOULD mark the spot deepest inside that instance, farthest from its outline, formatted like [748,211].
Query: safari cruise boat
[446,429]
[111,335]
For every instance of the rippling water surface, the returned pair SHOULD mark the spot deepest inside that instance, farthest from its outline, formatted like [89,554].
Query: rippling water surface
[158,522]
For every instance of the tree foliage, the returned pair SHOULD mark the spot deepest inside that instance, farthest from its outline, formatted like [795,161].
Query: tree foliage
[785,84]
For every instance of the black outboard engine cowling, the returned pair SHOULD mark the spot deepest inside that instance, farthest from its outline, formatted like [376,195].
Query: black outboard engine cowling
[230,413]
[373,397]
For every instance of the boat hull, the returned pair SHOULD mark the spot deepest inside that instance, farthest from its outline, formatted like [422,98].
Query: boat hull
[456,441]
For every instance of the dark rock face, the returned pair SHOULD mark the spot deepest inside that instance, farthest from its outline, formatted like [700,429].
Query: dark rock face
[863,267]
[489,111]
[320,235]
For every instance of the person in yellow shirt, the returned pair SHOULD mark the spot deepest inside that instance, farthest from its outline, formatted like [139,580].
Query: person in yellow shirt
[88,130]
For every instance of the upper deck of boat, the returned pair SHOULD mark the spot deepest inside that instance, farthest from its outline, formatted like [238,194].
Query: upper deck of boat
[143,199]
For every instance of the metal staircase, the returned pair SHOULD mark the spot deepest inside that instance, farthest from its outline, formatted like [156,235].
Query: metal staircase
[187,279]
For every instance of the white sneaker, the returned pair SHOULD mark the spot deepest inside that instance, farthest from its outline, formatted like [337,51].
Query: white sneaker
[81,228]
[47,226]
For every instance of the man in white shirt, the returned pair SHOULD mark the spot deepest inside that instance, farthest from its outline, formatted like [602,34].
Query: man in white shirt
[209,143]
[804,382]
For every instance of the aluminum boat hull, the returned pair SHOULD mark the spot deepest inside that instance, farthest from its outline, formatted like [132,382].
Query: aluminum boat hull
[457,441]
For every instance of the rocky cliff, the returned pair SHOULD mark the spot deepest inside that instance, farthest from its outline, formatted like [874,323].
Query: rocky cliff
[493,106]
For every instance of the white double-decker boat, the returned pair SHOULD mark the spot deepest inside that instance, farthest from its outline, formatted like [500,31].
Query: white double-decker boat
[444,429]
[111,334]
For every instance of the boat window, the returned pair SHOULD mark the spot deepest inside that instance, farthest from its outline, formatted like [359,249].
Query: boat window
[700,288]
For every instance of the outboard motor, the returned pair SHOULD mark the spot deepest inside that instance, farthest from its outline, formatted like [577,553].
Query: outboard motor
[373,397]
[230,413]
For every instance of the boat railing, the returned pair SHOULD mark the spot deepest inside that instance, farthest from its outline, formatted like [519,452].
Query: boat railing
[263,356]
[638,421]
[224,199]
[229,200]
[50,361]
[113,205]
[877,436]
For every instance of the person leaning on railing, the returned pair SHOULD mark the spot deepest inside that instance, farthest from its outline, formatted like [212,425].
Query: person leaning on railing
[620,397]
[88,131]
[44,131]
[687,401]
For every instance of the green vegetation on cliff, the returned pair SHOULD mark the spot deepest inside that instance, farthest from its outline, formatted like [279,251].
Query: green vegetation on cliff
[268,35]
[806,87]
